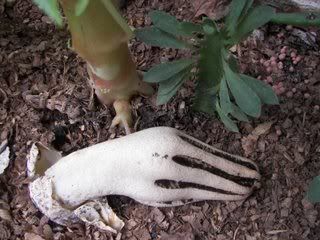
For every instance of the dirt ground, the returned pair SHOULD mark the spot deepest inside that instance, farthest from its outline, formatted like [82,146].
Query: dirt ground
[44,96]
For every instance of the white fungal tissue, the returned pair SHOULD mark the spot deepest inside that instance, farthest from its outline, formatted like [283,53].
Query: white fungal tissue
[4,156]
[160,167]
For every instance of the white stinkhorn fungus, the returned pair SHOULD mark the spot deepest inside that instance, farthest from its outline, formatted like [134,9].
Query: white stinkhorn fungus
[4,156]
[158,167]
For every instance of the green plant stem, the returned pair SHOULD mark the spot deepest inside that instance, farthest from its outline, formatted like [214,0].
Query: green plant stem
[297,19]
[100,36]
[117,17]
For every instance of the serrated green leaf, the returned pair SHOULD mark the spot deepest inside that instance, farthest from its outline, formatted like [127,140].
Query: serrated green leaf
[188,28]
[226,120]
[236,9]
[51,8]
[168,89]
[263,90]
[238,114]
[165,22]
[164,71]
[224,97]
[245,97]
[255,18]
[314,190]
[155,37]
[81,6]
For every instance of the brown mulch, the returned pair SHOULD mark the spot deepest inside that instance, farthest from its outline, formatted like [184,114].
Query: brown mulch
[44,96]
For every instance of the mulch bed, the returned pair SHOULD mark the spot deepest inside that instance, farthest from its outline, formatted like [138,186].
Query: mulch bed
[44,96]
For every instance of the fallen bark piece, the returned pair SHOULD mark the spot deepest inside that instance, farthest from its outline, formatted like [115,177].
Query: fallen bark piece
[160,167]
[4,156]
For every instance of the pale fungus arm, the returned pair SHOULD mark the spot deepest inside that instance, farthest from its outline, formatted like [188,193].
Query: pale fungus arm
[4,156]
[157,167]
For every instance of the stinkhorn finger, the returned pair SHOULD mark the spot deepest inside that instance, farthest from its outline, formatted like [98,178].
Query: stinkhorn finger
[4,156]
[157,167]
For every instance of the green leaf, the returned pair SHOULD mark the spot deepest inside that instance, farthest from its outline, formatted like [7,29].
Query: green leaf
[245,10]
[168,89]
[167,70]
[306,19]
[314,190]
[224,97]
[209,26]
[155,37]
[226,120]
[188,28]
[245,97]
[81,6]
[263,90]
[165,22]
[51,8]
[238,114]
[232,61]
[236,9]
[255,18]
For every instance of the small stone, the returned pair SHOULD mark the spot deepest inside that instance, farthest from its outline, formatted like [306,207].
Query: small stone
[269,79]
[291,69]
[284,49]
[316,107]
[278,132]
[273,59]
[182,105]
[269,69]
[306,95]
[298,58]
[274,63]
[282,56]
[282,90]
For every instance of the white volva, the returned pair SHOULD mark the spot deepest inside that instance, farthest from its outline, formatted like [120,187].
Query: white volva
[158,167]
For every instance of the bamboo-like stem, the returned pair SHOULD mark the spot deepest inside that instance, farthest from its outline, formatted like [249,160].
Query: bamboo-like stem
[100,36]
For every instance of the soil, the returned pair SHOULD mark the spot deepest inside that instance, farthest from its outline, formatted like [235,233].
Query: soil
[44,97]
